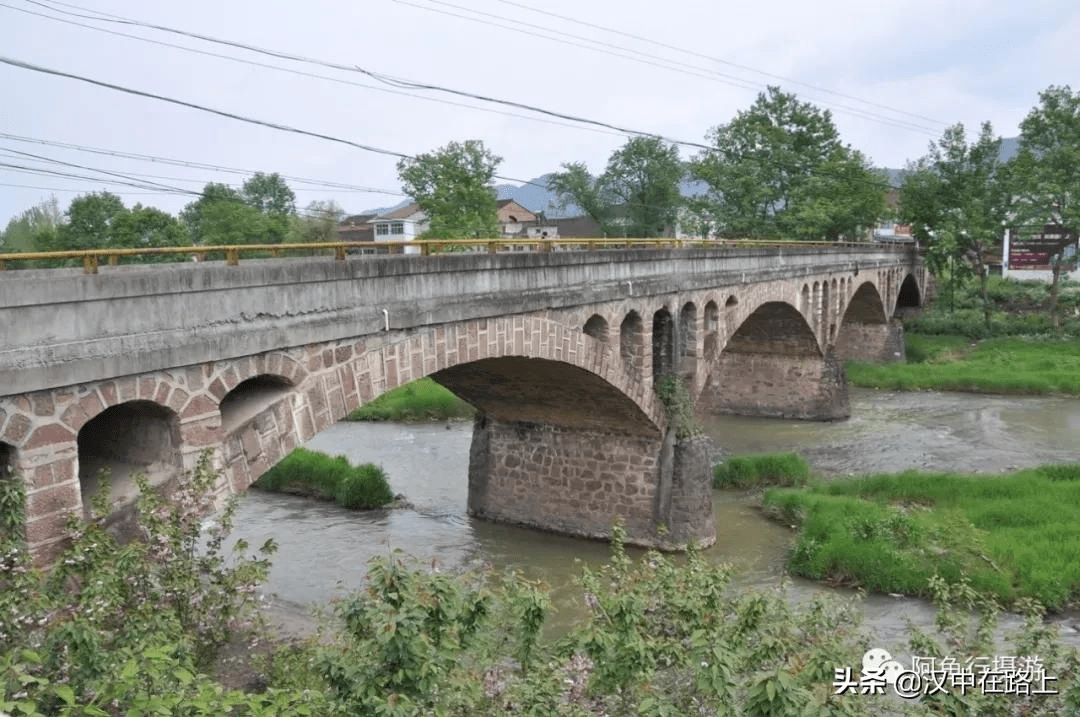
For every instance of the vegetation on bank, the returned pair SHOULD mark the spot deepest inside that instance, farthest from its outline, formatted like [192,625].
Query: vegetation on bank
[420,400]
[951,348]
[1011,536]
[761,470]
[140,629]
[306,472]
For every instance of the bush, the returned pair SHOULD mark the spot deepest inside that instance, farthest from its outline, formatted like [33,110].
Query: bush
[318,475]
[366,487]
[756,471]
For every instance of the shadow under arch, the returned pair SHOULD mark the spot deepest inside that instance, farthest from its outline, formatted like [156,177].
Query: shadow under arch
[125,439]
[773,366]
[865,333]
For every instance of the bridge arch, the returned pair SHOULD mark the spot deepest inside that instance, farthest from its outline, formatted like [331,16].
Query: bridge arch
[138,436]
[866,333]
[773,365]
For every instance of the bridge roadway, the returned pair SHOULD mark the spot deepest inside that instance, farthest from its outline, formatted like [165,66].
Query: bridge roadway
[145,367]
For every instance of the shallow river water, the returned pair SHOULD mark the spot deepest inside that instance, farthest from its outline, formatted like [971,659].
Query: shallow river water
[324,550]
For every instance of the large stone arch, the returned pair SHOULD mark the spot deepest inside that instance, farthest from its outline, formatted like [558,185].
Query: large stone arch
[773,365]
[866,333]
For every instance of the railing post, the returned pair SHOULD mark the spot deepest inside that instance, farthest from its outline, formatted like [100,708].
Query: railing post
[114,259]
[339,253]
[90,264]
[492,247]
[232,257]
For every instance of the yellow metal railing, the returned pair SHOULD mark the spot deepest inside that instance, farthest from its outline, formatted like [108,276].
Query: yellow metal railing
[92,258]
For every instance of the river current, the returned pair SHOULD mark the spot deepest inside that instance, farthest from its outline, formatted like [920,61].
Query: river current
[324,550]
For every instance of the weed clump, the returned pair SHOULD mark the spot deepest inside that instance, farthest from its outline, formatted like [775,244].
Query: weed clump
[760,470]
[315,474]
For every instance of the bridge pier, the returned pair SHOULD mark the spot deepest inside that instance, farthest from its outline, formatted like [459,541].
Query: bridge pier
[578,482]
[776,386]
[882,342]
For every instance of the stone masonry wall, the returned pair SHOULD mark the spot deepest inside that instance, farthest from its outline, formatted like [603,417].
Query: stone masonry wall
[871,342]
[770,385]
[570,481]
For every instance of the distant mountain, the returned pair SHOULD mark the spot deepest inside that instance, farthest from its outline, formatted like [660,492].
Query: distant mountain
[1009,147]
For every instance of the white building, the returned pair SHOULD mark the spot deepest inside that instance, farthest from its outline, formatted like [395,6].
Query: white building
[401,225]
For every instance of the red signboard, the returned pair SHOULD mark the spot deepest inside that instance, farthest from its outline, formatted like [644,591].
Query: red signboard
[1036,252]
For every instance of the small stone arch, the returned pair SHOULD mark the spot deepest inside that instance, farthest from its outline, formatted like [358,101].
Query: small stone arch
[597,327]
[250,397]
[663,344]
[125,439]
[7,461]
[804,300]
[731,302]
[630,342]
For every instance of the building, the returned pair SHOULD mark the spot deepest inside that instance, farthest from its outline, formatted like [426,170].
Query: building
[401,225]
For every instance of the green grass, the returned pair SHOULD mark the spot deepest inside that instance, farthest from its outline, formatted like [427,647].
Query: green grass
[760,470]
[1012,536]
[420,400]
[954,363]
[315,474]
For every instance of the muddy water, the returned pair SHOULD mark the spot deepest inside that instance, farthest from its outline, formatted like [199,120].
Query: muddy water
[324,550]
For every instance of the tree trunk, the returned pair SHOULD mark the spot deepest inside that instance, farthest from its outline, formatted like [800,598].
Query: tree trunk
[1055,289]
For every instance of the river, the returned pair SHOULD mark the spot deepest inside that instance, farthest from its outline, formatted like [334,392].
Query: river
[324,550]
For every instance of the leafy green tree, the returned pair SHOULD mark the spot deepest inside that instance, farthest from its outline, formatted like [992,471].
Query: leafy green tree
[274,200]
[1046,171]
[779,169]
[574,186]
[90,221]
[148,227]
[33,228]
[221,216]
[453,187]
[957,199]
[637,195]
[644,174]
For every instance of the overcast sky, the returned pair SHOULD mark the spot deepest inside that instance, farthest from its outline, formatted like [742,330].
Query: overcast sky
[893,74]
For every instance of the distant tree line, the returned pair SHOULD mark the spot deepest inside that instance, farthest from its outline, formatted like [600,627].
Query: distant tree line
[262,211]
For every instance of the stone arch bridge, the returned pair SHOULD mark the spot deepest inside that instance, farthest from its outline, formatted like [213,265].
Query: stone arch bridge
[144,368]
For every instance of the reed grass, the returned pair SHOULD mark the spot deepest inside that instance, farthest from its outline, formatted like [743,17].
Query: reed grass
[760,470]
[1013,536]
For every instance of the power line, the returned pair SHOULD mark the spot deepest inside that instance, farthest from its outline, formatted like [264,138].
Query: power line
[711,58]
[278,68]
[199,165]
[638,56]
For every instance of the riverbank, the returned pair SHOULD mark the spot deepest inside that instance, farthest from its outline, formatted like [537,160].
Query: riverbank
[1011,536]
[417,401]
[1008,366]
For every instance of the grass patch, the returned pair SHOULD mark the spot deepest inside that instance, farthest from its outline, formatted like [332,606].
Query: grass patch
[760,470]
[954,363]
[420,400]
[318,475]
[1011,536]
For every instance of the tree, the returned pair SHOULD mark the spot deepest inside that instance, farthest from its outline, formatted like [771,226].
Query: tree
[90,219]
[148,227]
[33,228]
[957,200]
[644,175]
[321,221]
[453,187]
[269,195]
[1046,180]
[222,216]
[779,169]
[641,183]
[574,186]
